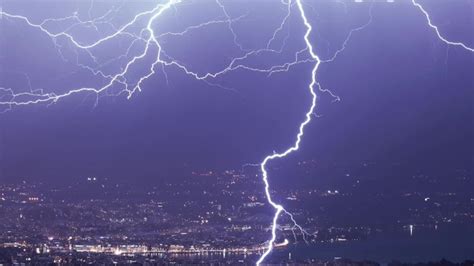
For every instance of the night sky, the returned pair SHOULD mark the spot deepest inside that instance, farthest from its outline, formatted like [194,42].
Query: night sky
[406,97]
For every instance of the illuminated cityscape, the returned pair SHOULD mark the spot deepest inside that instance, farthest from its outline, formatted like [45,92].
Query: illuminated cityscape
[211,216]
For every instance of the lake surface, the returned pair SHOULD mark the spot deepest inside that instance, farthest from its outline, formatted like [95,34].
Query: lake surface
[452,242]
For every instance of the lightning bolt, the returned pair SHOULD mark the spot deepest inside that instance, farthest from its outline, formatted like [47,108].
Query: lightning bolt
[435,28]
[151,42]
[39,96]
[309,114]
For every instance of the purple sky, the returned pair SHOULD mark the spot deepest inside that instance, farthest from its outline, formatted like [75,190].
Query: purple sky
[406,96]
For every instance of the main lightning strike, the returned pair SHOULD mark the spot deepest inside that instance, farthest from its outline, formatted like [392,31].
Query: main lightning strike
[278,207]
[309,114]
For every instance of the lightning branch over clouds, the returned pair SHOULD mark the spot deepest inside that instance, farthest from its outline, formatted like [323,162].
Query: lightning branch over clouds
[152,47]
[435,28]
